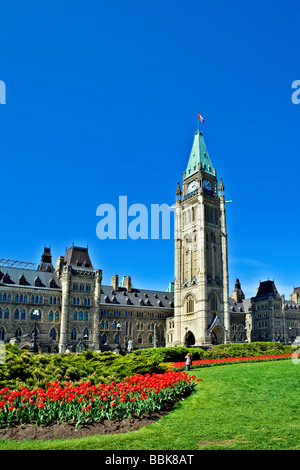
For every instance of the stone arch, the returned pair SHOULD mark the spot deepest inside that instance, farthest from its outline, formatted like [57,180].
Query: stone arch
[189,303]
[53,333]
[160,335]
[217,334]
[189,339]
[214,302]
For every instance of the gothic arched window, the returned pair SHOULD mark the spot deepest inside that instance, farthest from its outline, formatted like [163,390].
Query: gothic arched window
[53,333]
[18,333]
[214,303]
[73,334]
[190,304]
[86,333]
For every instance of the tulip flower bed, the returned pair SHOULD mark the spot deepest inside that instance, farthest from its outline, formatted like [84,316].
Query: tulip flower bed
[228,360]
[86,403]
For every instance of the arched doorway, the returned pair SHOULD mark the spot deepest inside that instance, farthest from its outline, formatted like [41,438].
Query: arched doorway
[217,335]
[189,339]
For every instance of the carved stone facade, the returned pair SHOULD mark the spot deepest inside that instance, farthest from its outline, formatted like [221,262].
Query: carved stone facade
[201,313]
[75,310]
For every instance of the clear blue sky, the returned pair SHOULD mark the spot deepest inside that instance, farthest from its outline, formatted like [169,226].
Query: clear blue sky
[102,99]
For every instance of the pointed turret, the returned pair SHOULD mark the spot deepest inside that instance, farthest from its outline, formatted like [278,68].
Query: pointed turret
[221,188]
[238,294]
[178,191]
[46,261]
[199,157]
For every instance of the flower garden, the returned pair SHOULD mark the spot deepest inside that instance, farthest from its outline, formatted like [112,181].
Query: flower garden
[90,387]
[229,360]
[86,403]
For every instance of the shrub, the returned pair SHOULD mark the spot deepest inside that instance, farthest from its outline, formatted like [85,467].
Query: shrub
[36,370]
[220,351]
[170,354]
[247,349]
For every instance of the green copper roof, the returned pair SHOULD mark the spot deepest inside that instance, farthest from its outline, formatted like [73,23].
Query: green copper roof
[171,287]
[199,154]
[122,283]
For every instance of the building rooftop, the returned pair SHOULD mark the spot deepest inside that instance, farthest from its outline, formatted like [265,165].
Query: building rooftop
[77,256]
[199,154]
[28,278]
[265,288]
[136,297]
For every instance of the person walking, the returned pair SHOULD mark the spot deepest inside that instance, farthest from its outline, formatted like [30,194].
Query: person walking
[188,361]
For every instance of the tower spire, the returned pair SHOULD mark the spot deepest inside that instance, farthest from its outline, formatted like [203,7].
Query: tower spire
[199,154]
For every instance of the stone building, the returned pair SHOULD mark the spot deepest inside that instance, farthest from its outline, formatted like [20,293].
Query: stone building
[267,316]
[75,310]
[201,311]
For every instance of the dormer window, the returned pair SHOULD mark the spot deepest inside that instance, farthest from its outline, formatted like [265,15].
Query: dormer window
[52,284]
[22,280]
[38,282]
[6,279]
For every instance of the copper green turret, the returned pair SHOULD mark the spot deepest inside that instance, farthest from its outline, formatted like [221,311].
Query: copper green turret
[199,154]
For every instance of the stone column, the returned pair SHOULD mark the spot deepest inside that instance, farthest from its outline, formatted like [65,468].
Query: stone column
[225,265]
[177,340]
[202,277]
[65,280]
[96,308]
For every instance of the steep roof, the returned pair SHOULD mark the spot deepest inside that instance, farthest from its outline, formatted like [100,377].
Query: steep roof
[77,256]
[137,297]
[199,154]
[30,277]
[265,288]
[46,261]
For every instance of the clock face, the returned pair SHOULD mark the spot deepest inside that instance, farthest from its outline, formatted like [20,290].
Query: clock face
[192,186]
[207,185]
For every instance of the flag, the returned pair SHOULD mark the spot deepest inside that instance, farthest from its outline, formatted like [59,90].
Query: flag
[201,118]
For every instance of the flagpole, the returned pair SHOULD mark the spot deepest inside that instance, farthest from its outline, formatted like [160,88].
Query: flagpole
[200,118]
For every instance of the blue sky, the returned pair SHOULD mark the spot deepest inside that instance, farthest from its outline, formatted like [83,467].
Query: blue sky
[102,100]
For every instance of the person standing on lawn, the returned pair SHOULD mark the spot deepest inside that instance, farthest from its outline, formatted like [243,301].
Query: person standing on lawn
[188,361]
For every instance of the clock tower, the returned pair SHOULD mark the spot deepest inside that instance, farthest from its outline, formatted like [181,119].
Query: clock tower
[201,308]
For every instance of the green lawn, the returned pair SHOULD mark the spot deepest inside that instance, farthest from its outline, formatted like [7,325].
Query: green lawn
[244,406]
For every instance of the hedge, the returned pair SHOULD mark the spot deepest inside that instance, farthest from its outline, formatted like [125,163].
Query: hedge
[174,354]
[35,370]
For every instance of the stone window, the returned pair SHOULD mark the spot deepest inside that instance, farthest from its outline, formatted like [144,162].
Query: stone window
[189,304]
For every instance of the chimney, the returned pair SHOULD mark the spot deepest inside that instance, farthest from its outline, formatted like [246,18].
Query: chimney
[59,265]
[127,283]
[115,282]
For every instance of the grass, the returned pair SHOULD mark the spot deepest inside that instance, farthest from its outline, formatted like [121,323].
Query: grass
[251,406]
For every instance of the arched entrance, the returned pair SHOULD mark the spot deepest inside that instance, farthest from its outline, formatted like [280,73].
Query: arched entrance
[217,335]
[189,339]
